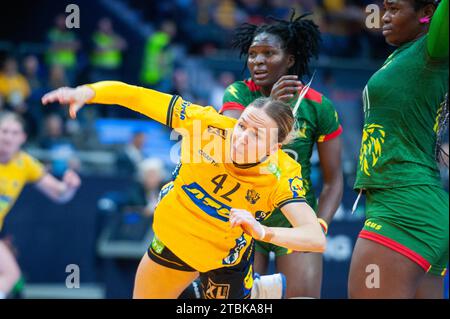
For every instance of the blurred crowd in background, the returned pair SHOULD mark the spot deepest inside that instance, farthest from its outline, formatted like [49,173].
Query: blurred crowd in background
[182,48]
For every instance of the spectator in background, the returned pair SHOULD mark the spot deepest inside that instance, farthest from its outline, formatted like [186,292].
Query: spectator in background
[255,11]
[57,77]
[14,87]
[282,8]
[227,14]
[151,177]
[181,85]
[31,69]
[157,66]
[14,91]
[129,159]
[62,47]
[62,151]
[106,58]
[218,90]
[343,29]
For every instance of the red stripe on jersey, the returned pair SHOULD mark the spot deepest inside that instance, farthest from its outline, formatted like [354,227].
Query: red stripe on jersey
[323,138]
[251,85]
[314,96]
[232,106]
[389,243]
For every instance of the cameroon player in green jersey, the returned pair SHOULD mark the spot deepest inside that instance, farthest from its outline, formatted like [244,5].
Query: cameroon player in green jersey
[402,251]
[278,55]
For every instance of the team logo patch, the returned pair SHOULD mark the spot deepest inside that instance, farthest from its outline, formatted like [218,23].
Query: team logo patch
[180,111]
[371,147]
[217,131]
[164,191]
[275,170]
[296,186]
[157,245]
[248,280]
[206,202]
[5,201]
[233,256]
[301,131]
[252,196]
[208,157]
[217,291]
[261,215]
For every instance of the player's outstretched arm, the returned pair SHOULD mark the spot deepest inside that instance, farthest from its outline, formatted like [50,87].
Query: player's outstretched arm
[151,103]
[59,191]
[305,235]
[437,42]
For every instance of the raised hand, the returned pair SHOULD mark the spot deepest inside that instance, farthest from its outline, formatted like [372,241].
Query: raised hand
[286,87]
[74,97]
[248,223]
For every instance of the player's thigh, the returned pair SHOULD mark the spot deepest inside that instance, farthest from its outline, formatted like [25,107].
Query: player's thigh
[9,269]
[157,281]
[261,261]
[430,287]
[8,262]
[303,273]
[377,271]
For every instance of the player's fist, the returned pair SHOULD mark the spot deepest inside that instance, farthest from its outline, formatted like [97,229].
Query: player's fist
[74,97]
[71,179]
[248,223]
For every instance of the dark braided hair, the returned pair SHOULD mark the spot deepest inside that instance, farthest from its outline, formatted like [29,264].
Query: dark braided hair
[300,37]
[442,125]
[419,4]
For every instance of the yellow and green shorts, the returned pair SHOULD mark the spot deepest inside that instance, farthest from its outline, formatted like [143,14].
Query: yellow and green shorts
[413,221]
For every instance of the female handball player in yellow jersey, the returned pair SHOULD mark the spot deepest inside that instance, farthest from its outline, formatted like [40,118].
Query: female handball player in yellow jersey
[233,174]
[18,168]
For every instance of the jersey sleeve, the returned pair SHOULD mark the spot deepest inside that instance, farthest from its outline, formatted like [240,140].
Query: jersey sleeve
[290,187]
[170,110]
[35,170]
[236,97]
[437,41]
[328,121]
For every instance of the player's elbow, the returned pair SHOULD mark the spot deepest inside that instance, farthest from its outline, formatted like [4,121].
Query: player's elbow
[319,243]
[315,243]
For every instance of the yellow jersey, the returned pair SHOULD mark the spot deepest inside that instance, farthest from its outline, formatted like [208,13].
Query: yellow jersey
[17,84]
[192,216]
[20,170]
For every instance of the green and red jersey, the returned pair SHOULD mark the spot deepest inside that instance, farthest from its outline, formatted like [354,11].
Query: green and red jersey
[402,104]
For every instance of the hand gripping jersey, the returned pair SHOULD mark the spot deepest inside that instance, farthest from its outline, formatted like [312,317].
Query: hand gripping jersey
[22,169]
[192,216]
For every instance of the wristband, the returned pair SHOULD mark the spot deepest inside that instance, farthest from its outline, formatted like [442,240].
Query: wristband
[323,224]
[268,234]
[263,232]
